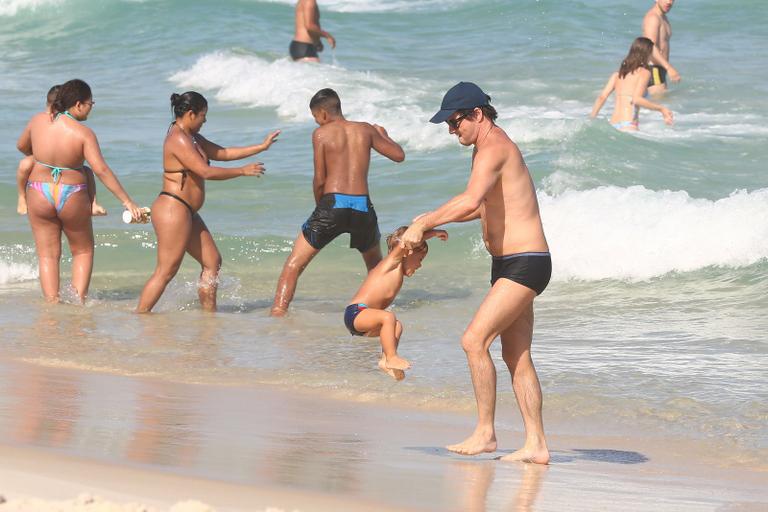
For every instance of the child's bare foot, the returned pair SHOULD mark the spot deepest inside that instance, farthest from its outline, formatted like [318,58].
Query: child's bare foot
[395,374]
[21,205]
[397,363]
[97,210]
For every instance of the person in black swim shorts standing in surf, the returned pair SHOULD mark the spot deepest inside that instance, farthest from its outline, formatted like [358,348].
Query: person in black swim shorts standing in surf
[342,155]
[501,194]
[306,38]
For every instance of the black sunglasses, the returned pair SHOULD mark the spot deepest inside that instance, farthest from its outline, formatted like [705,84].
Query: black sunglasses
[455,122]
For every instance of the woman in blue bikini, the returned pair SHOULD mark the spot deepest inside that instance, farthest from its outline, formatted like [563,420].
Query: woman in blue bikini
[57,198]
[631,85]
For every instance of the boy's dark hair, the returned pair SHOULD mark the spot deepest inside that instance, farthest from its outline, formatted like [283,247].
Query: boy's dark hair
[488,111]
[394,238]
[52,93]
[326,99]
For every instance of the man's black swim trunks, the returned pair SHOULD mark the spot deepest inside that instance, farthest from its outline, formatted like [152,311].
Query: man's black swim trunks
[658,75]
[299,50]
[341,213]
[530,269]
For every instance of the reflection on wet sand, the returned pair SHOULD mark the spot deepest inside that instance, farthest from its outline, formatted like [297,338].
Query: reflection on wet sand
[475,479]
[318,461]
[529,488]
[164,432]
[48,404]
[167,429]
[46,410]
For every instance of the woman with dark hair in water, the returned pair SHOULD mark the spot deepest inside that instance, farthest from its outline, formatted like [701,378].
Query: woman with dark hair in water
[631,85]
[57,191]
[178,226]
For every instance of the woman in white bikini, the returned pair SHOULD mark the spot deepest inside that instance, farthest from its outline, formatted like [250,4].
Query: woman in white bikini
[631,85]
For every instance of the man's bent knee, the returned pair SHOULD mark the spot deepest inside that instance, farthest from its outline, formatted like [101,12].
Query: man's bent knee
[473,344]
[520,366]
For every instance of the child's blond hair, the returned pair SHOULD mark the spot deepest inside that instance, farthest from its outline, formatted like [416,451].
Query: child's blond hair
[394,238]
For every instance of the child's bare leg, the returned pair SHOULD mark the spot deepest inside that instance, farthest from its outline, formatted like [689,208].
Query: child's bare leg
[395,374]
[389,341]
[384,324]
[398,333]
[388,333]
[22,176]
[383,360]
[96,209]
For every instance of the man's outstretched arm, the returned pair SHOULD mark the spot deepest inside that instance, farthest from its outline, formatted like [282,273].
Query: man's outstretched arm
[463,207]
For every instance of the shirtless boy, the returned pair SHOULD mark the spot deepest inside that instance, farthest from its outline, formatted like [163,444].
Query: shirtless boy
[306,38]
[27,163]
[366,315]
[501,194]
[342,155]
[657,28]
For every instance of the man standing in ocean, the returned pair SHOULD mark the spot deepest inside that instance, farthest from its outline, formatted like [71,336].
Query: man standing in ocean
[501,194]
[306,38]
[657,28]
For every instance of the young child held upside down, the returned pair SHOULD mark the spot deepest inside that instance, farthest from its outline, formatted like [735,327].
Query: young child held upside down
[367,315]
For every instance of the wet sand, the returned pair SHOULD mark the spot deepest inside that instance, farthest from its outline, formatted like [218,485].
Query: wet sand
[136,440]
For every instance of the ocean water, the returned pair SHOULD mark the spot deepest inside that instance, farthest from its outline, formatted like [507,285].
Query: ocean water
[655,320]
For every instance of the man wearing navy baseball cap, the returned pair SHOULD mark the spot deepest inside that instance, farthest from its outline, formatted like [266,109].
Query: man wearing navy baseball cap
[462,96]
[501,194]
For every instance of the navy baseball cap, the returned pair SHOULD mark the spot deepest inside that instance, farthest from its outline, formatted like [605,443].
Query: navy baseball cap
[463,95]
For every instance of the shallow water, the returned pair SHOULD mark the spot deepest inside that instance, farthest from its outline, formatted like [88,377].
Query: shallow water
[655,318]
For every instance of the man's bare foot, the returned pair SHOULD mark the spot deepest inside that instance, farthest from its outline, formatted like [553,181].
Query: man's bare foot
[534,456]
[474,444]
[97,210]
[397,363]
[395,374]
[278,312]
[21,206]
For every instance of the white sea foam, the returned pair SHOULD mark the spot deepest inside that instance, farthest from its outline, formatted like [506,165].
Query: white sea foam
[531,124]
[11,272]
[397,103]
[635,233]
[288,86]
[12,7]
[702,126]
[561,181]
[379,6]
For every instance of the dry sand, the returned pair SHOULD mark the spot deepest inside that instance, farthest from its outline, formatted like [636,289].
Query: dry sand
[38,480]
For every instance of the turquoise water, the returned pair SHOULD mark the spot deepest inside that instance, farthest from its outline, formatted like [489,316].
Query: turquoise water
[656,316]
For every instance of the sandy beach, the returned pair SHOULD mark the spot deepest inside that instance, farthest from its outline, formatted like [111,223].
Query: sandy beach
[69,435]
